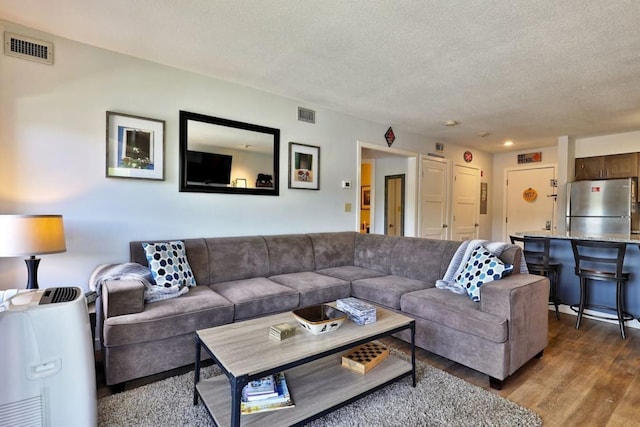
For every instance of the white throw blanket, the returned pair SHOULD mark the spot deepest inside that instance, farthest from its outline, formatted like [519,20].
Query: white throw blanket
[134,271]
[462,255]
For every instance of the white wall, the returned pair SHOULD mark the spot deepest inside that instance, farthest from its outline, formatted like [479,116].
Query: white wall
[628,142]
[52,157]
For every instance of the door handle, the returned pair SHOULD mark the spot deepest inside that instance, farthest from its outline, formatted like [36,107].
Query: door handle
[476,225]
[444,226]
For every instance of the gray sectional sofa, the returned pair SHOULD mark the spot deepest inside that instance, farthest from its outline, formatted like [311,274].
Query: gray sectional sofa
[245,277]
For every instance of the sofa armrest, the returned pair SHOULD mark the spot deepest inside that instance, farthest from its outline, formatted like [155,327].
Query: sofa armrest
[122,297]
[522,299]
[512,254]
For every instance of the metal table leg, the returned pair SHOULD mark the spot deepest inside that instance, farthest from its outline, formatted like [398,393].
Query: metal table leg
[196,374]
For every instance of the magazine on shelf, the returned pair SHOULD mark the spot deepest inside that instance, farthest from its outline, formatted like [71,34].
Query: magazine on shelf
[281,401]
[259,389]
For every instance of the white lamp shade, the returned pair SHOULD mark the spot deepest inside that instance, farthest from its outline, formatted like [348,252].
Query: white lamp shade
[26,235]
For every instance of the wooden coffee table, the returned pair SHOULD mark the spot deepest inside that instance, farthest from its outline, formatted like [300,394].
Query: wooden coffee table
[312,365]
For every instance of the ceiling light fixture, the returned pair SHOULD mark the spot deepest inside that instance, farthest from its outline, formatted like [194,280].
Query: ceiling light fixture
[508,143]
[451,123]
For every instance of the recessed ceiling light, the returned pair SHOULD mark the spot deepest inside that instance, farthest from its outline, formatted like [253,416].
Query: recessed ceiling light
[451,123]
[508,143]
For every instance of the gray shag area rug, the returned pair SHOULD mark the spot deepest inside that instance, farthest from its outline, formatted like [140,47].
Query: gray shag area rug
[439,399]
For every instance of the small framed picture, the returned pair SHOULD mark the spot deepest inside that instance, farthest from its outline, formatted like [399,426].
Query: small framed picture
[365,197]
[135,147]
[304,166]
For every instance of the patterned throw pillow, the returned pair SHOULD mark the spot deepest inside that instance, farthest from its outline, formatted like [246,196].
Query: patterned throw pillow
[168,264]
[482,267]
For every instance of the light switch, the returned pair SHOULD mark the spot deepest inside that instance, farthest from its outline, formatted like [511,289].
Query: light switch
[347,207]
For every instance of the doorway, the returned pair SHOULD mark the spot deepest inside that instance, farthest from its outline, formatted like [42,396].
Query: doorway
[530,201]
[386,161]
[394,205]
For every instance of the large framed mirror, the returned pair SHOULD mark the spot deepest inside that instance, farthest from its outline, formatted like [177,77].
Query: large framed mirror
[226,156]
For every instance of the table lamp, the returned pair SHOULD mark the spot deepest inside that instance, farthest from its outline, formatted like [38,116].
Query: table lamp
[31,235]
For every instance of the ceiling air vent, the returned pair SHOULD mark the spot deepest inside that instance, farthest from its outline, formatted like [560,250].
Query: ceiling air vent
[27,48]
[306,115]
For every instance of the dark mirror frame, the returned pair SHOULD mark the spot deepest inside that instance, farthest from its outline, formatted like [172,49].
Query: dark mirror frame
[186,116]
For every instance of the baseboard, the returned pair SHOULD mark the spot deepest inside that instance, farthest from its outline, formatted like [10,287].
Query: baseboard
[567,310]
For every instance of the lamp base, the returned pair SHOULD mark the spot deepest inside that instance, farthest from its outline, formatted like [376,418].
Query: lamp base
[32,269]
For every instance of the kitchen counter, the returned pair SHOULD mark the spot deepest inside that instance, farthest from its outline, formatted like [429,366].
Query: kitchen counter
[602,293]
[626,238]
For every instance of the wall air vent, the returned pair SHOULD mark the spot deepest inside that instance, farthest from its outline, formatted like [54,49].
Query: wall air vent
[306,115]
[28,48]
[439,146]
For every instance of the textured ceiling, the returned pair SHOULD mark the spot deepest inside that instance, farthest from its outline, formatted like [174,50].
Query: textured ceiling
[524,70]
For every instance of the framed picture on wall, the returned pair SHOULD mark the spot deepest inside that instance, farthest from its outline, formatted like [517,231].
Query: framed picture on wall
[365,197]
[135,147]
[304,166]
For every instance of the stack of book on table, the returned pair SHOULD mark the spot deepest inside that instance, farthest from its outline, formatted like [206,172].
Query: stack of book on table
[266,394]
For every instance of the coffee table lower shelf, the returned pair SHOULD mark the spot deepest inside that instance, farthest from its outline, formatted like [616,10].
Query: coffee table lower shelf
[316,388]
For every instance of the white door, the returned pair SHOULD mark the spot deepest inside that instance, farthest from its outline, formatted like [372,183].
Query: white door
[530,200]
[433,209]
[466,194]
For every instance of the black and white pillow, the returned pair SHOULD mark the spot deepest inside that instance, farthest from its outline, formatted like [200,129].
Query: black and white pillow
[482,267]
[168,264]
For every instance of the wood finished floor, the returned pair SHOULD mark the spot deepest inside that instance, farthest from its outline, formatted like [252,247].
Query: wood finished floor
[587,377]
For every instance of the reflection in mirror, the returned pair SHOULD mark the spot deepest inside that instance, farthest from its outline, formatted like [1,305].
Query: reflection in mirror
[225,156]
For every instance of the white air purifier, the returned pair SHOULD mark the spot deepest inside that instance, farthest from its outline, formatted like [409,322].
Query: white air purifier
[47,368]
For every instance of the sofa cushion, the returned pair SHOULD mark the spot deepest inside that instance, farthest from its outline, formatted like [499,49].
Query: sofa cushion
[422,259]
[386,290]
[333,249]
[456,312]
[257,296]
[236,258]
[289,253]
[200,308]
[314,288]
[168,264]
[350,272]
[481,267]
[374,251]
[197,254]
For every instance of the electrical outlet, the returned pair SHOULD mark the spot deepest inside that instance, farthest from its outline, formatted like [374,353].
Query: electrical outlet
[346,184]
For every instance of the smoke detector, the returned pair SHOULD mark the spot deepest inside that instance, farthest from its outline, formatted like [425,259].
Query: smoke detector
[451,123]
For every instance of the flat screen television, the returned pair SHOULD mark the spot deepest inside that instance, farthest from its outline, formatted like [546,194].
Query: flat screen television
[209,168]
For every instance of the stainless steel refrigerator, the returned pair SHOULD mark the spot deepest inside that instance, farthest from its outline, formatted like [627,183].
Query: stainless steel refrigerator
[602,206]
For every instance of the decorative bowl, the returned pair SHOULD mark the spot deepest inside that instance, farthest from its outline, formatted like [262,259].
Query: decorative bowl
[319,319]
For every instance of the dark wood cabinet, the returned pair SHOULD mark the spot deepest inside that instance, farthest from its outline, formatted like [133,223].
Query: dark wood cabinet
[590,168]
[607,167]
[621,165]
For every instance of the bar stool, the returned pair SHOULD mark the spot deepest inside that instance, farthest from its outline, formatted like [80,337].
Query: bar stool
[602,262]
[536,254]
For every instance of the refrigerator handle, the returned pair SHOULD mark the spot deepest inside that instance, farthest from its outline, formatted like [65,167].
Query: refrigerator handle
[568,207]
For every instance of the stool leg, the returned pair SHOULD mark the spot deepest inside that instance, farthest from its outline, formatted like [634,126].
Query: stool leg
[583,297]
[554,289]
[619,309]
